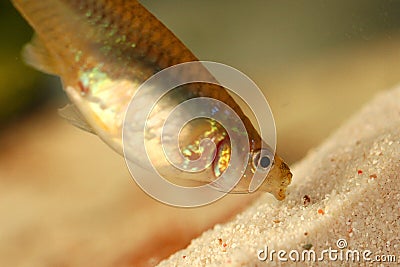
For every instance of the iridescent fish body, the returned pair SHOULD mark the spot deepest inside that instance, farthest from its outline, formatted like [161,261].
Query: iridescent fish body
[103,51]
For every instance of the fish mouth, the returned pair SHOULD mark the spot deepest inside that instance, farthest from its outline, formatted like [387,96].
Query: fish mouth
[287,179]
[286,174]
[280,178]
[280,194]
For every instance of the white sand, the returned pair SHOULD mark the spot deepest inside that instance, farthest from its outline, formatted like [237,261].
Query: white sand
[353,182]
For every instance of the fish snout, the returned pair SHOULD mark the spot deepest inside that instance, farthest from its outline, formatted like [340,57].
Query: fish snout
[286,174]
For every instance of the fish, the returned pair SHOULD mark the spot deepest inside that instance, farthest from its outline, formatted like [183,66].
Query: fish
[103,51]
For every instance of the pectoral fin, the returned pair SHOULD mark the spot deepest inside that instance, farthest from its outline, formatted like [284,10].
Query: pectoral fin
[73,116]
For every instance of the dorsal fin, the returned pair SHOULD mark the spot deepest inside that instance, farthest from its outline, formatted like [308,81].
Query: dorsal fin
[73,116]
[36,55]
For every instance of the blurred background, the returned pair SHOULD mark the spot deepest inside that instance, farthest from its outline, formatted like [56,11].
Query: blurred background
[63,191]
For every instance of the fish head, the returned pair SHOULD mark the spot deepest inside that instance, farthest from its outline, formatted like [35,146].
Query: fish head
[264,171]
[274,173]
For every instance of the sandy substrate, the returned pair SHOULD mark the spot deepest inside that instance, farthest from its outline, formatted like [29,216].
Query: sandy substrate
[345,196]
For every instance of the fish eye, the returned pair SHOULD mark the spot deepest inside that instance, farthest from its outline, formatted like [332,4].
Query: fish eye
[262,160]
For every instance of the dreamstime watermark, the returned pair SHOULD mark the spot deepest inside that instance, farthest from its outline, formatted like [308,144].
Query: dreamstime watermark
[155,118]
[340,253]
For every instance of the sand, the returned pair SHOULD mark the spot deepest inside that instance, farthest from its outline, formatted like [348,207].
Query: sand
[345,196]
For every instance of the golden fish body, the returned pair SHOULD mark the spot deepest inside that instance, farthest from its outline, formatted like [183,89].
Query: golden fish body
[103,51]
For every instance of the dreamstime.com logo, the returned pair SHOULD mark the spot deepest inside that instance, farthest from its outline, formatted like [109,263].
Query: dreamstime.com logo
[157,114]
[340,254]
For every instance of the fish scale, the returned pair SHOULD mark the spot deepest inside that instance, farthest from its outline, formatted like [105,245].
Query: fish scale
[141,30]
